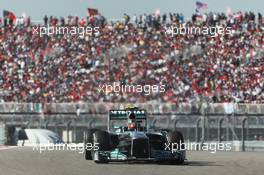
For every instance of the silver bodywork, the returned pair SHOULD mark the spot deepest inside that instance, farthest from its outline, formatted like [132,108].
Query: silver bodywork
[138,144]
[154,155]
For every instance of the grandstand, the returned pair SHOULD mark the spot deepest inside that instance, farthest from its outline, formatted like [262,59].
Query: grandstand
[136,50]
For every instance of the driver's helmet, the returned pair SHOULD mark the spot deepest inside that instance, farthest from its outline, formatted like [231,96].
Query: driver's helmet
[131,106]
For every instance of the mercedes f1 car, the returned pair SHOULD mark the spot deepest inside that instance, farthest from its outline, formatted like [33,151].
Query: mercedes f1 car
[128,138]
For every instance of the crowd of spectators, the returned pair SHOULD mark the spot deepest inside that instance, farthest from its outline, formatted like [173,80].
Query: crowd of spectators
[135,50]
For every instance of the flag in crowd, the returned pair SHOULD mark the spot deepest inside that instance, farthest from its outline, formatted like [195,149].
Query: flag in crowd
[157,12]
[92,12]
[9,15]
[229,12]
[201,6]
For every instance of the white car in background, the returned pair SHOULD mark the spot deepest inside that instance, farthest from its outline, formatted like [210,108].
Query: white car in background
[31,137]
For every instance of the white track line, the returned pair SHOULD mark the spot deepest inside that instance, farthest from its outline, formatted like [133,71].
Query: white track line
[4,147]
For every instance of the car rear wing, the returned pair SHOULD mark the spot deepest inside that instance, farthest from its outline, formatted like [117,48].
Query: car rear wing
[124,114]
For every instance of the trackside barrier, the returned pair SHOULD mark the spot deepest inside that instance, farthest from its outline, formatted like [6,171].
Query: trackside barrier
[243,133]
[198,121]
[151,107]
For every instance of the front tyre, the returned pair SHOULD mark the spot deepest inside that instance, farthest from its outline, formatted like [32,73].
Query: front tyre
[88,139]
[102,139]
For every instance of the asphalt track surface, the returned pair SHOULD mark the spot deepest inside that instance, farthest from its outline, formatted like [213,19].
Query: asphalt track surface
[25,161]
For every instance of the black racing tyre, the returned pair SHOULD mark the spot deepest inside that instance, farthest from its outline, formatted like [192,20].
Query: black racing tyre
[102,138]
[176,137]
[88,138]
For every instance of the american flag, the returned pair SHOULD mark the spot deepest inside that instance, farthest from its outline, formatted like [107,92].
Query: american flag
[201,6]
[92,12]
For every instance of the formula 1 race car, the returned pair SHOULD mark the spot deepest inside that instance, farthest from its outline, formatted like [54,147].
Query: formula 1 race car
[129,139]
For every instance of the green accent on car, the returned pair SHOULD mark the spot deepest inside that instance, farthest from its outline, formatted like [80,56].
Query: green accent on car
[116,154]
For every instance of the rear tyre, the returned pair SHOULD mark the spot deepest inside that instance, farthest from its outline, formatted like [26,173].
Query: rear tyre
[176,137]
